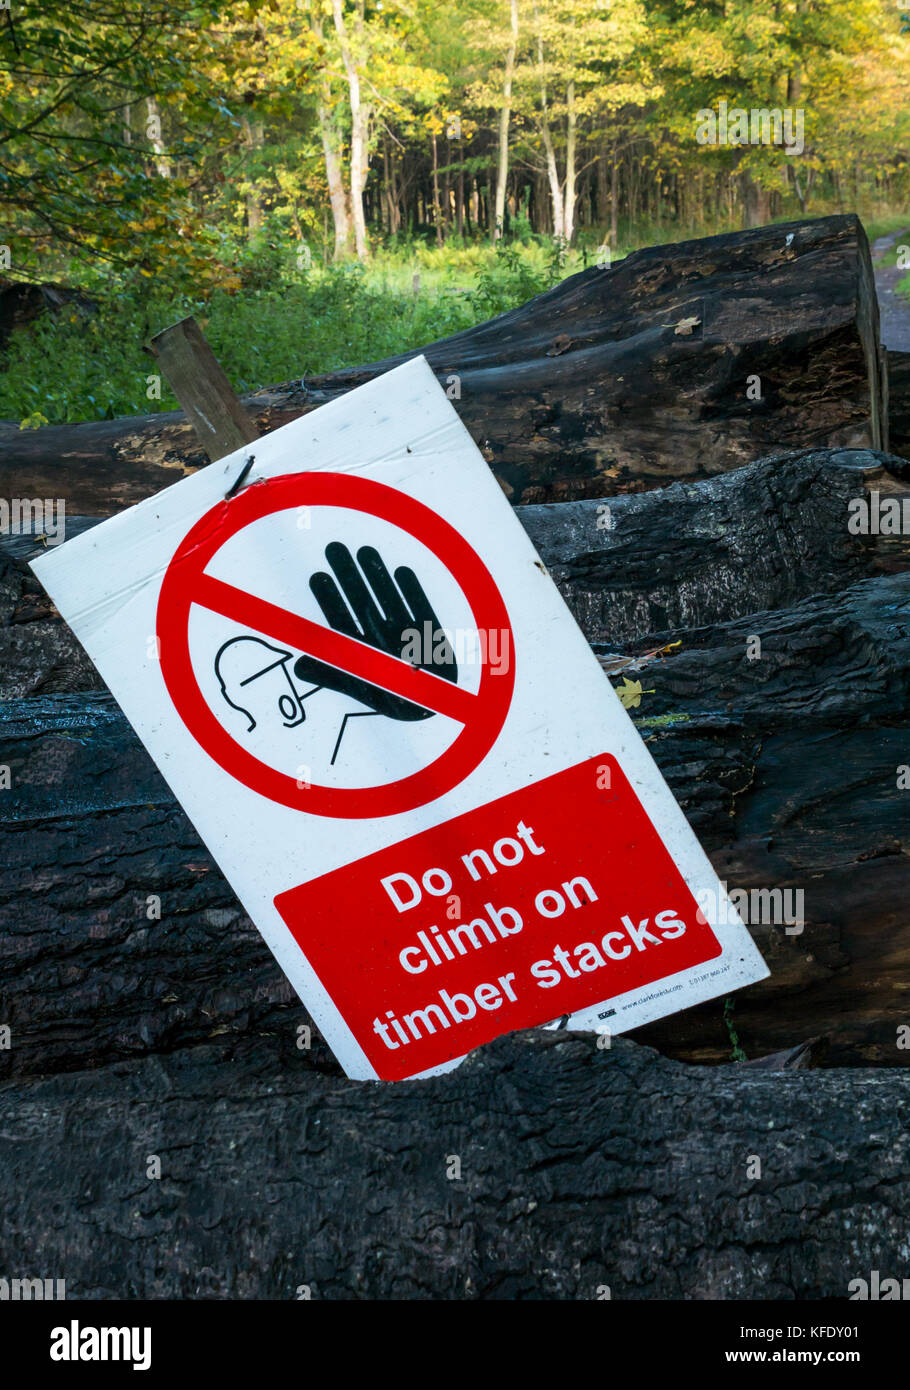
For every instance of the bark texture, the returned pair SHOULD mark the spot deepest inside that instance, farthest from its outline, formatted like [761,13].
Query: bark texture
[899,402]
[580,1169]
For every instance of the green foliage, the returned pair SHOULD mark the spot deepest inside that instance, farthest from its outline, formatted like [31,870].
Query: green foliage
[83,170]
[175,158]
[79,365]
[514,278]
[736,1052]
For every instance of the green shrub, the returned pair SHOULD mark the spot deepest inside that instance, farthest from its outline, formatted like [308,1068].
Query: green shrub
[283,325]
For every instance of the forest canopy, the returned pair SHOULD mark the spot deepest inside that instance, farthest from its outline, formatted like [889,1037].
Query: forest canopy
[160,137]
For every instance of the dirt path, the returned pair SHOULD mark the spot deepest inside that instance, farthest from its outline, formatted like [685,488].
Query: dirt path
[894,307]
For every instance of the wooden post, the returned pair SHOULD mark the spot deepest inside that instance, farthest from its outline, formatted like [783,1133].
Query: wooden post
[201,387]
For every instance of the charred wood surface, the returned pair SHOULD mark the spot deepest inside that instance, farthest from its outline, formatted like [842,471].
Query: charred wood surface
[581,1171]
[899,402]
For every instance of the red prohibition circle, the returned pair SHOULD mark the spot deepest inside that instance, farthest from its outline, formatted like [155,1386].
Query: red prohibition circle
[185,580]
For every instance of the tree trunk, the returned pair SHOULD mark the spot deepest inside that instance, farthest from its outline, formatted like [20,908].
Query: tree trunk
[360,115]
[153,135]
[633,1177]
[756,209]
[338,197]
[253,136]
[437,206]
[602,192]
[571,145]
[504,115]
[614,199]
[459,192]
[546,135]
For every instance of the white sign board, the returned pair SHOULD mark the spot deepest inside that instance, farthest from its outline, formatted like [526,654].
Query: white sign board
[373,704]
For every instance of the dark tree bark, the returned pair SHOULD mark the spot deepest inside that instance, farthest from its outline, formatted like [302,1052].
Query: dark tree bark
[22,303]
[616,380]
[899,402]
[762,537]
[581,1171]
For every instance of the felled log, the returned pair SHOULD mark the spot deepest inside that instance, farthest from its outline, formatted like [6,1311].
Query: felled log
[786,763]
[681,361]
[762,536]
[581,1174]
[899,402]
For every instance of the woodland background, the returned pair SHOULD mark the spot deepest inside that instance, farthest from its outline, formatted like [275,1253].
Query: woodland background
[324,182]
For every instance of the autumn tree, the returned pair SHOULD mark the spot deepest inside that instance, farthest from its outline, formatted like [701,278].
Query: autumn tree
[106,112]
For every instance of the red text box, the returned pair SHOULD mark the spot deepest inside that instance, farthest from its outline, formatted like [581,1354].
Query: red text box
[541,903]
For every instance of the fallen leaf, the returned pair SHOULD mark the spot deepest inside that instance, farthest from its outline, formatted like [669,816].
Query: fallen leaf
[630,693]
[612,662]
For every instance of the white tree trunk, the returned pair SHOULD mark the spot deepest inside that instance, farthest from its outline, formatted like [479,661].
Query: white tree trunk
[571,144]
[360,119]
[559,219]
[504,115]
[332,146]
[338,195]
[153,132]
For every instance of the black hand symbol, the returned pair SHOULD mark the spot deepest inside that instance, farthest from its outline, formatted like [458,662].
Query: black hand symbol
[387,622]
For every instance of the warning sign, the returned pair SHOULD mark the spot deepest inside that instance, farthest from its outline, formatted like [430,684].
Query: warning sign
[378,648]
[371,700]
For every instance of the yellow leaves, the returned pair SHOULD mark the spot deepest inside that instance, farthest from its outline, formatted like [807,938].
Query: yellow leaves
[33,421]
[630,693]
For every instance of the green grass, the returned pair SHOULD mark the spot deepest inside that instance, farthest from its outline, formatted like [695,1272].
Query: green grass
[284,324]
[77,366]
[883,226]
[81,366]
